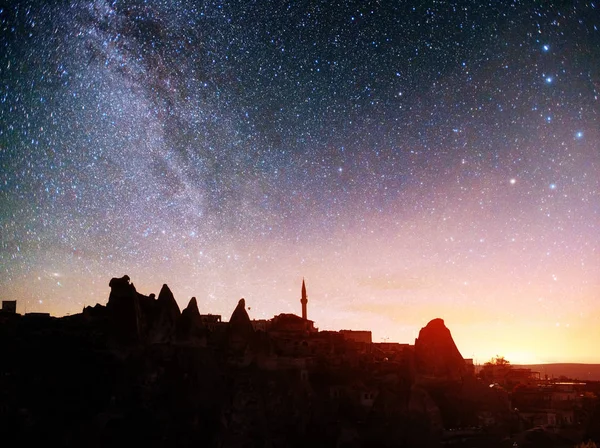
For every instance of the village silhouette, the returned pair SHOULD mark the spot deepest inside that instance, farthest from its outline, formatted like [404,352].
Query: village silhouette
[140,372]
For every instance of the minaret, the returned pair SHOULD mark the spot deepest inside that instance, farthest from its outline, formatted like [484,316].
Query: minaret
[303,300]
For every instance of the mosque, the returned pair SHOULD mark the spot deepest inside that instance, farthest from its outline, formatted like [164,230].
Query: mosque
[287,322]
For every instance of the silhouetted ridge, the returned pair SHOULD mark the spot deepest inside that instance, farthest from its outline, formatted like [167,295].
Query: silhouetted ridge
[139,372]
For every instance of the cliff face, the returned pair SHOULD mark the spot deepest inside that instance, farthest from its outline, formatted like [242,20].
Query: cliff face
[436,354]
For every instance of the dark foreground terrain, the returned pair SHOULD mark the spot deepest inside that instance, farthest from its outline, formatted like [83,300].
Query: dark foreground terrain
[138,372]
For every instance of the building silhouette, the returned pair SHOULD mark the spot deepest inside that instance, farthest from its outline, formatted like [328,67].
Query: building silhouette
[9,306]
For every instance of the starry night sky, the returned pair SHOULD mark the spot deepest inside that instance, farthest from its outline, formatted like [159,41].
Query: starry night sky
[411,160]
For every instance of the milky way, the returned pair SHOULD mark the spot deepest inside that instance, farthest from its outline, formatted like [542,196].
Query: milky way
[411,160]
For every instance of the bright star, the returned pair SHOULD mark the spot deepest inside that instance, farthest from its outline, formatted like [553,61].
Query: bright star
[579,134]
[513,181]
[549,79]
[552,186]
[546,47]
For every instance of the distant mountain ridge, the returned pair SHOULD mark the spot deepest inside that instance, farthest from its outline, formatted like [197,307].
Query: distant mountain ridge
[584,372]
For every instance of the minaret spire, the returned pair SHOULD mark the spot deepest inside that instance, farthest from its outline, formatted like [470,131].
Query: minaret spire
[304,300]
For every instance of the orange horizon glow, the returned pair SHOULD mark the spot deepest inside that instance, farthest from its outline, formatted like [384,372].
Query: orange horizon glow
[479,333]
[411,162]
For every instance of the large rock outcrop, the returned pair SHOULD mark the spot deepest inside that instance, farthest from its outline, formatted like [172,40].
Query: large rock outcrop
[190,326]
[436,354]
[181,394]
[124,309]
[240,331]
[164,325]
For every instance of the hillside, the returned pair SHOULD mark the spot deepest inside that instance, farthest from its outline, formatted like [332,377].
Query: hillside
[584,372]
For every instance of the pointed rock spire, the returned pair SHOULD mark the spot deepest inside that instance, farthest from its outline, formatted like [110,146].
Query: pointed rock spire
[240,328]
[191,315]
[167,301]
[192,308]
[190,323]
[240,317]
[167,315]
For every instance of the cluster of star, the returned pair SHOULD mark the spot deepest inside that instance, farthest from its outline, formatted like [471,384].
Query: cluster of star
[409,159]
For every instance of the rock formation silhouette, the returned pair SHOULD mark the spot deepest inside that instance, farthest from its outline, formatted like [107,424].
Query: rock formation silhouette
[190,326]
[166,316]
[436,353]
[124,309]
[240,330]
[139,371]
